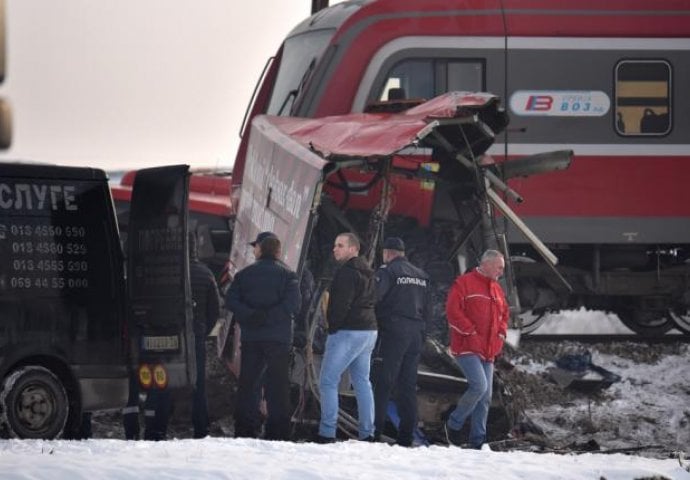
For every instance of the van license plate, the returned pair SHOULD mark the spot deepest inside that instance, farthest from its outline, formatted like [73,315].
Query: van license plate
[161,343]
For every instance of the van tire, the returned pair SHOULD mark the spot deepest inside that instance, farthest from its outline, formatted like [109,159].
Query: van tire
[33,403]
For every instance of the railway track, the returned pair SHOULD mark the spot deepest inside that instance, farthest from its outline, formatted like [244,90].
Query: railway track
[606,338]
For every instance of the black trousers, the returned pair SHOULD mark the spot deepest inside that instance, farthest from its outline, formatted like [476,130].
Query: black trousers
[396,359]
[157,408]
[199,401]
[274,358]
[159,404]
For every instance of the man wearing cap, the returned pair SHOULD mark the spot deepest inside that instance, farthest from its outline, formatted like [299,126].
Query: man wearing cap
[264,298]
[403,307]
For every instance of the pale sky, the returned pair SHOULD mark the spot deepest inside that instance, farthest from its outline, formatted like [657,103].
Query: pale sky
[134,83]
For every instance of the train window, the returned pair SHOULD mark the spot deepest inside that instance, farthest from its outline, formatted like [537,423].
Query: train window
[467,76]
[643,97]
[427,78]
[300,55]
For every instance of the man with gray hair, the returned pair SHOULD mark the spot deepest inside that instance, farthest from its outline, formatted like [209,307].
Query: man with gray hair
[477,314]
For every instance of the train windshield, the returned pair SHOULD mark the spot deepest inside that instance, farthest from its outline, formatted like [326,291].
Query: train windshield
[300,54]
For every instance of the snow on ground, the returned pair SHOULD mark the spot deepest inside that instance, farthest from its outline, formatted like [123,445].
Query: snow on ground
[649,408]
[217,458]
[584,322]
[651,404]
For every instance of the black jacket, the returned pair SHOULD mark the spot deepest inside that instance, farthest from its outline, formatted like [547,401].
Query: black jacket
[206,298]
[264,298]
[352,297]
[403,291]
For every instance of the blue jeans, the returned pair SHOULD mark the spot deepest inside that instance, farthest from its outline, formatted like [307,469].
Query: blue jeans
[476,399]
[347,350]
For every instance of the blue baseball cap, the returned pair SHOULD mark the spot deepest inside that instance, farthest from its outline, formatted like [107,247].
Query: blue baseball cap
[261,237]
[394,243]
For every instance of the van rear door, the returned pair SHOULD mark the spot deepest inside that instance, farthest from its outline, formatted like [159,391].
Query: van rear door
[160,305]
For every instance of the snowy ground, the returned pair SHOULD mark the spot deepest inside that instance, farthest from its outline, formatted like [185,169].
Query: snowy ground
[581,322]
[648,409]
[219,458]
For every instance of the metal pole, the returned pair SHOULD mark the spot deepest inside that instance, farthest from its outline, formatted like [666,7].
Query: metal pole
[317,5]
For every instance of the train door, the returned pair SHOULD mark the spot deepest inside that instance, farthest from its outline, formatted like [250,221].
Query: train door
[160,305]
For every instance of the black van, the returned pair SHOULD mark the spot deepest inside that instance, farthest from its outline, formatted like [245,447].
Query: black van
[71,329]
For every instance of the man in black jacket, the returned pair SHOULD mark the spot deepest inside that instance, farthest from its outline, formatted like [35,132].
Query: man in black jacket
[264,298]
[351,338]
[206,312]
[402,310]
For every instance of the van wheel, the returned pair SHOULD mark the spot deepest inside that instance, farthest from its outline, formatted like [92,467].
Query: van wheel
[34,403]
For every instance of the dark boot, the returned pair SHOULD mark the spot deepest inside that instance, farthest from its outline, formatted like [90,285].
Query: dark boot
[452,436]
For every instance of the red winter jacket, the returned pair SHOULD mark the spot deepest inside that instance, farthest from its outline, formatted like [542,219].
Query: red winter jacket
[477,314]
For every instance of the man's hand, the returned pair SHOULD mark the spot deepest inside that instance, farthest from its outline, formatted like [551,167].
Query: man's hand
[258,318]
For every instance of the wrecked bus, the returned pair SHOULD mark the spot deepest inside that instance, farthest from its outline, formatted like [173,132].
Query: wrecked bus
[291,161]
[572,79]
[72,329]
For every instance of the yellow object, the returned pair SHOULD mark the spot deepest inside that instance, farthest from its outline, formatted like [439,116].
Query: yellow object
[160,376]
[145,376]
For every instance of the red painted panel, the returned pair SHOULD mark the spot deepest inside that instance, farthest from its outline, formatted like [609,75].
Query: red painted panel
[597,186]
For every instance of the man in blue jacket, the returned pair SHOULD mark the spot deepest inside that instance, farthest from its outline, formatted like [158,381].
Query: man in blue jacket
[264,298]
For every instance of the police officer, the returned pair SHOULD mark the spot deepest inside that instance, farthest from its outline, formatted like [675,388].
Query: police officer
[402,310]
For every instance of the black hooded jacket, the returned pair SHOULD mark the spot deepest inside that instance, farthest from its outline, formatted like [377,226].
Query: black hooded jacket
[352,297]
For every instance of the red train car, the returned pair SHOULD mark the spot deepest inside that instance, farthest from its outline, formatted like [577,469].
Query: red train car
[604,78]
[211,214]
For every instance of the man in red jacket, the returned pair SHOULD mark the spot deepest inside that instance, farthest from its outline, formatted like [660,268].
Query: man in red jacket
[477,314]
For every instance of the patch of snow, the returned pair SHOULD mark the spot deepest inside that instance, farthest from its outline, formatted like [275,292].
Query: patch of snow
[584,322]
[238,459]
